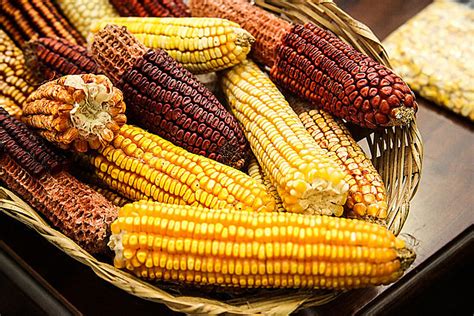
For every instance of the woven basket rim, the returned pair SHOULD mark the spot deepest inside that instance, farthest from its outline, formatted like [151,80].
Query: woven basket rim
[397,154]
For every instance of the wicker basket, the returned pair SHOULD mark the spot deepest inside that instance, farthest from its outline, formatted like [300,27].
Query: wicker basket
[396,153]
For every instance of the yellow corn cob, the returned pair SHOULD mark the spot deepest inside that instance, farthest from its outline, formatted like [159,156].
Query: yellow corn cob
[307,179]
[140,165]
[255,171]
[200,44]
[367,196]
[83,13]
[230,248]
[14,77]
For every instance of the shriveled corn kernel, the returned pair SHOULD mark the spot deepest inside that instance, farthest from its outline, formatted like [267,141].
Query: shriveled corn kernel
[198,190]
[76,111]
[174,35]
[331,134]
[258,261]
[308,180]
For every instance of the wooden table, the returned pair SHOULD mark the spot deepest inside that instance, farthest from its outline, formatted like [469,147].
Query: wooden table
[441,210]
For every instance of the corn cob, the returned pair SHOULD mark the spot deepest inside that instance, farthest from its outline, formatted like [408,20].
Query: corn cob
[255,171]
[142,166]
[166,99]
[29,19]
[14,78]
[330,73]
[51,58]
[76,111]
[201,45]
[321,68]
[151,8]
[367,196]
[267,28]
[83,13]
[33,170]
[28,150]
[229,248]
[307,179]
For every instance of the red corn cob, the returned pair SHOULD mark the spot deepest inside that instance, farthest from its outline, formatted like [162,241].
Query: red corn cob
[320,67]
[151,8]
[51,58]
[29,19]
[167,99]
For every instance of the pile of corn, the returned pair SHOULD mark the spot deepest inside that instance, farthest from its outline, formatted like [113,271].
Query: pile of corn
[188,214]
[430,51]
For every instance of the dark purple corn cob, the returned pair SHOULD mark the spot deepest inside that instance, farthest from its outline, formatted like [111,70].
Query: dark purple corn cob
[167,99]
[320,67]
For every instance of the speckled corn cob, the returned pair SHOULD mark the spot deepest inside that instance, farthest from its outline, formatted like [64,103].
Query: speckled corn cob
[255,171]
[320,67]
[308,180]
[151,8]
[167,99]
[76,111]
[433,52]
[33,170]
[228,248]
[140,165]
[367,196]
[51,58]
[15,80]
[27,149]
[83,13]
[110,195]
[267,29]
[201,45]
[24,20]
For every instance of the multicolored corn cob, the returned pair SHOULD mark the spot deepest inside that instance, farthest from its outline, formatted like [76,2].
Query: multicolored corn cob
[167,99]
[151,8]
[255,171]
[201,45]
[24,20]
[229,248]
[51,58]
[76,111]
[143,166]
[110,195]
[15,79]
[320,67]
[308,180]
[267,29]
[367,196]
[83,13]
[33,170]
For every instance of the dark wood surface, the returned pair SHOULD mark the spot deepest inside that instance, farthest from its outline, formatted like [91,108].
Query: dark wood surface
[442,209]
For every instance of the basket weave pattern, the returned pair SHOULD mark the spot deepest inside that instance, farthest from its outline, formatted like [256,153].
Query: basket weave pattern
[396,153]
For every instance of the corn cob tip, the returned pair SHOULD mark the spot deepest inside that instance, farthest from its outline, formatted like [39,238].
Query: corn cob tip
[243,38]
[78,111]
[402,115]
